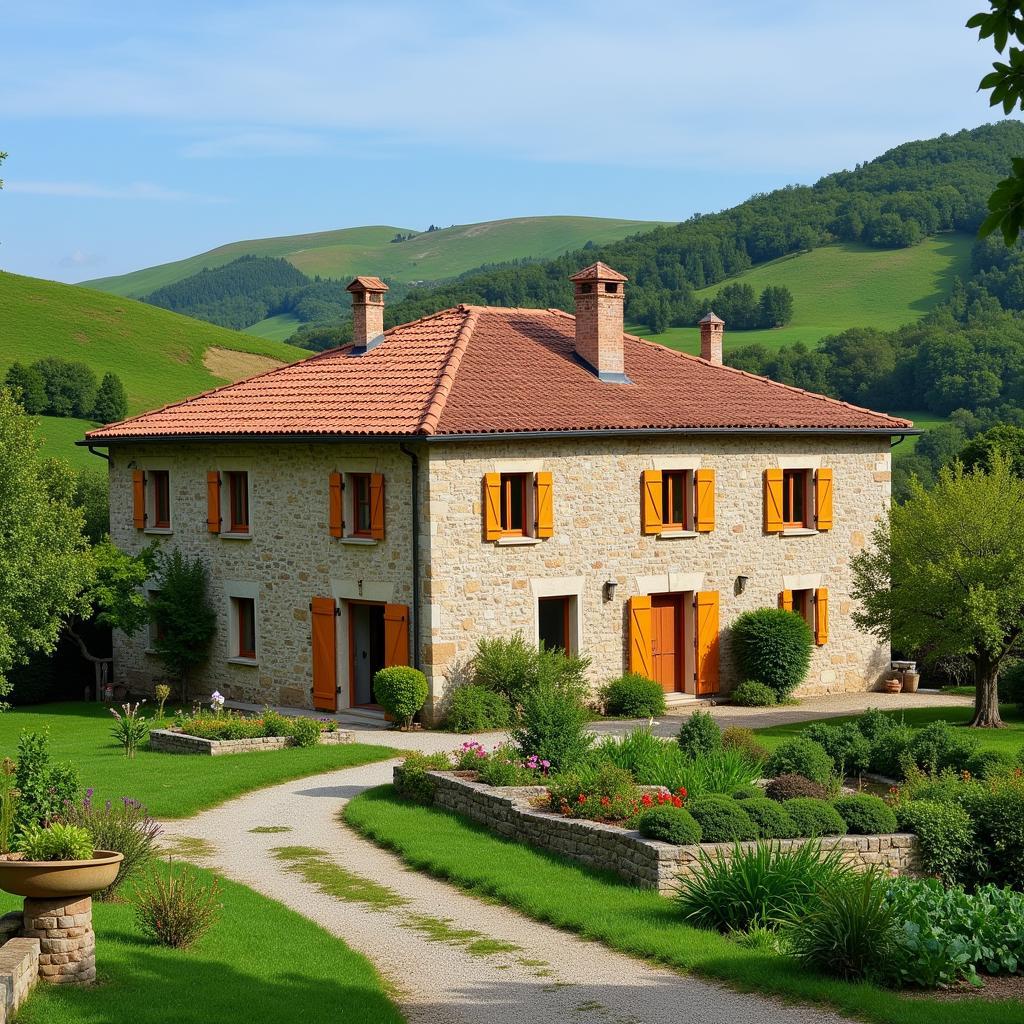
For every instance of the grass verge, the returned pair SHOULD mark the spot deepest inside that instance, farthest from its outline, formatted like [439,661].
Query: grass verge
[639,922]
[259,958]
[170,785]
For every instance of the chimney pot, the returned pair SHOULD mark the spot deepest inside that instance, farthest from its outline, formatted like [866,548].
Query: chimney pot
[600,297]
[367,311]
[712,329]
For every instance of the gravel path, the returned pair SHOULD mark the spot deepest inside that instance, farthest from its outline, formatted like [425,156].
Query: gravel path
[451,958]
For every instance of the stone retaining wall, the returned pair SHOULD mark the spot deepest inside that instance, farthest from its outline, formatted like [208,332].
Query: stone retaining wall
[19,965]
[646,863]
[168,742]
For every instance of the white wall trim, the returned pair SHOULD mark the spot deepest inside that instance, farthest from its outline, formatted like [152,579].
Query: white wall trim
[675,462]
[799,461]
[518,465]
[670,583]
[347,589]
[557,586]
[808,581]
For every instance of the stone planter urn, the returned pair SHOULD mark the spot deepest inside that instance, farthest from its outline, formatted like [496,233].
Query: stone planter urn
[58,910]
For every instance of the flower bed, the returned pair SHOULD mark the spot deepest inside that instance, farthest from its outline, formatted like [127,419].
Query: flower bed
[169,741]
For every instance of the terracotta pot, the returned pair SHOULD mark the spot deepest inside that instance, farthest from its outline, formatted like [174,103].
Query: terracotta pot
[48,879]
[892,686]
[910,681]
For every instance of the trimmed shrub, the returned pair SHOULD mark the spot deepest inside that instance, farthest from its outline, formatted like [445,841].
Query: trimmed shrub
[474,708]
[178,909]
[56,841]
[305,732]
[874,723]
[790,785]
[800,756]
[700,734]
[633,696]
[945,835]
[401,691]
[997,812]
[553,725]
[889,749]
[773,647]
[752,694]
[747,793]
[670,825]
[989,764]
[865,815]
[848,747]
[939,745]
[722,819]
[412,780]
[772,819]
[815,818]
[738,738]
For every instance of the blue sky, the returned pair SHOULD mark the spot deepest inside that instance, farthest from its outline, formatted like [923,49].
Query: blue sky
[143,132]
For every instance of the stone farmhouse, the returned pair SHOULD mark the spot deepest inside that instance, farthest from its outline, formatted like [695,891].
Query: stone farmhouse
[485,471]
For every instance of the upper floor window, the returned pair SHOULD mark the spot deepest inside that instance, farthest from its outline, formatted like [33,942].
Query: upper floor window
[675,501]
[238,501]
[794,498]
[160,498]
[361,505]
[797,499]
[518,505]
[513,504]
[356,505]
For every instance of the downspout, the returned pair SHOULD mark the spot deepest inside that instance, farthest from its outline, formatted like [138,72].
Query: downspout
[99,455]
[902,438]
[414,463]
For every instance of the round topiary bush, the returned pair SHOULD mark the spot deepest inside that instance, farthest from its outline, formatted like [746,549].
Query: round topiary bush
[670,825]
[800,756]
[774,647]
[865,815]
[889,749]
[474,708]
[752,694]
[700,734]
[848,747]
[722,819]
[815,818]
[401,691]
[748,793]
[945,834]
[772,819]
[786,787]
[633,696]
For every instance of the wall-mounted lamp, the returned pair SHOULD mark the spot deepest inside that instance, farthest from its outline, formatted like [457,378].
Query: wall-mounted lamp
[609,590]
[741,583]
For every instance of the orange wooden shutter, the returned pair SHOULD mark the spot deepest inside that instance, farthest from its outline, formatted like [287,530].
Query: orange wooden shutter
[377,506]
[704,515]
[396,634]
[707,641]
[492,506]
[641,654]
[823,499]
[335,516]
[213,501]
[821,616]
[139,499]
[544,504]
[773,500]
[325,658]
[650,501]
[786,600]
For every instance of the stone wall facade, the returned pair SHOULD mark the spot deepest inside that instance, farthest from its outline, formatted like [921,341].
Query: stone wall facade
[167,742]
[471,588]
[646,863]
[19,966]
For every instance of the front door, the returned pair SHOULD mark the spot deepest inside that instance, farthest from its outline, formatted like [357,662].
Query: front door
[666,640]
[325,658]
[366,647]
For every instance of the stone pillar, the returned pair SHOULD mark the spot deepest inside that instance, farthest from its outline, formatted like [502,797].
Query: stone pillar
[67,944]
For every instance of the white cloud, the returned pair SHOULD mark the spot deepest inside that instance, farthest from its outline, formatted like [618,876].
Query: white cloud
[79,258]
[139,190]
[257,143]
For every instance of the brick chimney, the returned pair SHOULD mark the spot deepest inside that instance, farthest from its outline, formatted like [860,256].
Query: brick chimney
[600,293]
[367,311]
[712,328]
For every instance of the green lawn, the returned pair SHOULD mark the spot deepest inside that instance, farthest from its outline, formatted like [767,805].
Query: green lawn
[1010,739]
[170,785]
[59,434]
[261,961]
[277,328]
[843,285]
[636,921]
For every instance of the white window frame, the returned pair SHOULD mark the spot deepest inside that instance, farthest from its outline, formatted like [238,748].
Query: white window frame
[233,590]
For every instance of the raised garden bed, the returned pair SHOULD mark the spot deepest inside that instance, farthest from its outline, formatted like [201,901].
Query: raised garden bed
[512,812]
[170,741]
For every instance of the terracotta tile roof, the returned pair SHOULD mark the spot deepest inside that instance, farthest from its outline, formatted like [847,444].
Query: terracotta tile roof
[473,370]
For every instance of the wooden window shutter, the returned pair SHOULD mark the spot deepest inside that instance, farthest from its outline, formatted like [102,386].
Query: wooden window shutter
[641,654]
[823,499]
[821,616]
[704,511]
[650,501]
[139,498]
[213,501]
[377,506]
[325,657]
[773,501]
[492,506]
[544,505]
[335,515]
[396,634]
[707,641]
[786,600]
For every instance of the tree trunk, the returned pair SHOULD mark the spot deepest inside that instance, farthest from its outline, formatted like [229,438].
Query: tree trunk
[986,695]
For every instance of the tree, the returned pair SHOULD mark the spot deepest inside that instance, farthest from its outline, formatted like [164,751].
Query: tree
[111,400]
[70,387]
[945,575]
[26,384]
[776,306]
[184,618]
[42,568]
[1007,440]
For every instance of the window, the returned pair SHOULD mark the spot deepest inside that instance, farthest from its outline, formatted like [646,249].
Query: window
[238,502]
[675,500]
[803,605]
[811,604]
[513,504]
[794,498]
[245,627]
[362,522]
[554,617]
[160,498]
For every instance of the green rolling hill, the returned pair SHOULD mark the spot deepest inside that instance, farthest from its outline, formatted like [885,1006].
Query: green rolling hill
[428,256]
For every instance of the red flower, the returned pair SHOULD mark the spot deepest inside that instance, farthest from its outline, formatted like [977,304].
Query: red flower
[605,801]
[676,802]
[646,800]
[581,799]
[682,792]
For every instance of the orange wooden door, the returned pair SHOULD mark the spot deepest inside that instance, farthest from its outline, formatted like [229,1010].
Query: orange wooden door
[325,657]
[666,641]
